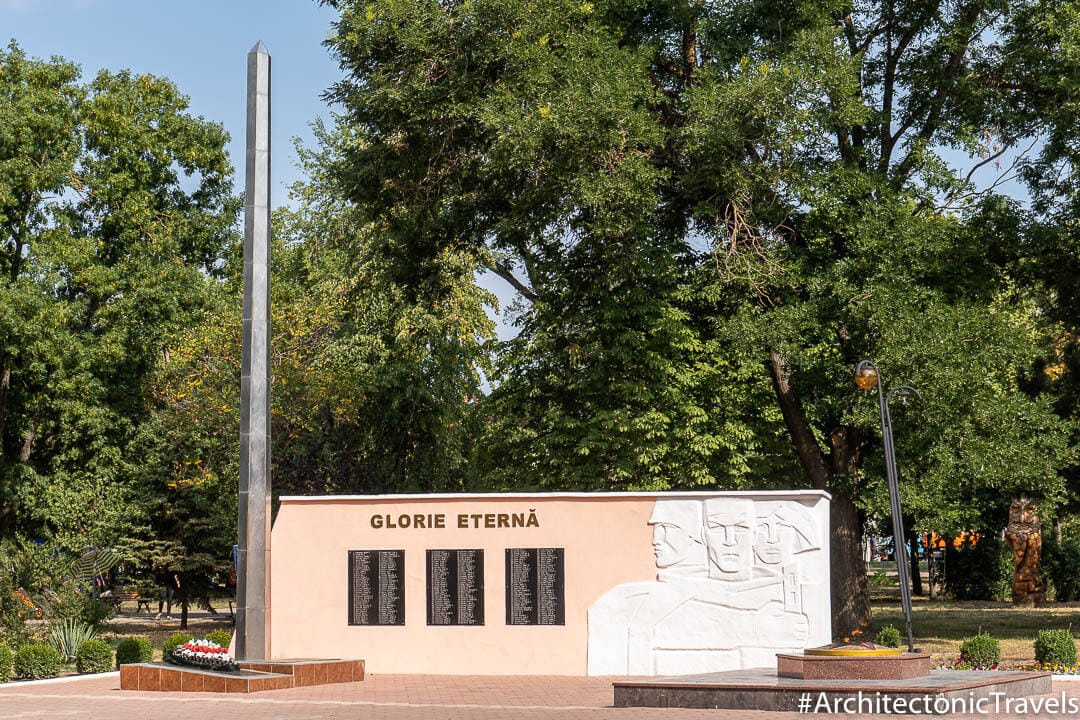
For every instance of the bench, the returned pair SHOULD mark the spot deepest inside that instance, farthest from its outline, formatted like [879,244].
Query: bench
[117,598]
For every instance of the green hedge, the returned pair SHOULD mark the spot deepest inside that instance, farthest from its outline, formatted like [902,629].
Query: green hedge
[982,572]
[36,661]
[175,640]
[7,663]
[889,636]
[1061,567]
[1055,647]
[94,656]
[221,637]
[134,650]
[980,651]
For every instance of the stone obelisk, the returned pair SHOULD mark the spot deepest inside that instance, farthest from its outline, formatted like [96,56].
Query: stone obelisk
[253,571]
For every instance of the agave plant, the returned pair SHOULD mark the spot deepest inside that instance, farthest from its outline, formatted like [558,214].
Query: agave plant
[69,635]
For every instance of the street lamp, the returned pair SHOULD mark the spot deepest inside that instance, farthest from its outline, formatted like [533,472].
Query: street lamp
[867,377]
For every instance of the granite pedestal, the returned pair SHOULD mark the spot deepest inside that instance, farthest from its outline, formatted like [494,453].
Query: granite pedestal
[252,676]
[763,689]
[901,666]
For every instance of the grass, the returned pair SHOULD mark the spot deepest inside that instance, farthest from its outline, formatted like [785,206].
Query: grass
[939,627]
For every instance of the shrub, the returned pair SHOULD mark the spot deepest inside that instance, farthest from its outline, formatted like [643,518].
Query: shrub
[980,651]
[175,640]
[94,656]
[888,636]
[68,637]
[1061,567]
[134,650]
[981,572]
[7,663]
[1055,647]
[221,637]
[35,661]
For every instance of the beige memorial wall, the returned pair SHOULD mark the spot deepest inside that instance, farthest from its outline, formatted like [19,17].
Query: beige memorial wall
[551,584]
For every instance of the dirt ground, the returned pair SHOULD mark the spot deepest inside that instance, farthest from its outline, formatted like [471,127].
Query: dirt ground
[128,624]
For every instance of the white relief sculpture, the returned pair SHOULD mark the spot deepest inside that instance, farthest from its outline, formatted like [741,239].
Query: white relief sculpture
[676,539]
[729,535]
[730,592]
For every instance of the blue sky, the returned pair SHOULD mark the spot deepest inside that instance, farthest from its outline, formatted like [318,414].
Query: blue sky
[202,46]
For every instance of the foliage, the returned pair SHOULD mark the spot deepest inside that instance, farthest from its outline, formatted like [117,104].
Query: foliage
[889,636]
[36,661]
[378,381]
[134,650]
[979,572]
[94,656]
[115,209]
[1061,566]
[174,641]
[69,636]
[1055,647]
[221,637]
[7,663]
[39,583]
[710,213]
[980,651]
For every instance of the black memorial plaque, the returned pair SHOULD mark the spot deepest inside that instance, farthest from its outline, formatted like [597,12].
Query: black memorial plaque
[455,587]
[376,587]
[535,586]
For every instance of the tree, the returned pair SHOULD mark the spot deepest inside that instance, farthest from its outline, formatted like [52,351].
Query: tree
[771,176]
[377,381]
[115,207]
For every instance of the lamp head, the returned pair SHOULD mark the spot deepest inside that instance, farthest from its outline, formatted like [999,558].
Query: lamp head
[866,376]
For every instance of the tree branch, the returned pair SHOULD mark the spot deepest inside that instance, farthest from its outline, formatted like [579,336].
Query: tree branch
[812,459]
[504,271]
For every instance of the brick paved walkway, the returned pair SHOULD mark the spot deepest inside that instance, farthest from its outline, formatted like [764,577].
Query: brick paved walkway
[385,697]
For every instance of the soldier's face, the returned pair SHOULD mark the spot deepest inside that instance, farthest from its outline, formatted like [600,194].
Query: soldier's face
[729,530]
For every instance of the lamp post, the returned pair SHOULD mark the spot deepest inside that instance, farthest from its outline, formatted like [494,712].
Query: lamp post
[867,377]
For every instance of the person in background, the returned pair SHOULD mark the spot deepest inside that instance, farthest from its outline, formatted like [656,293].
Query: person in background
[170,584]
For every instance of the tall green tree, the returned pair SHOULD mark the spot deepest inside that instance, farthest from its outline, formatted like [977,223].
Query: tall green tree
[760,188]
[115,207]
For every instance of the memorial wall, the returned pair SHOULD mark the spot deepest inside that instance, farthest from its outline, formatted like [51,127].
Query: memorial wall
[551,584]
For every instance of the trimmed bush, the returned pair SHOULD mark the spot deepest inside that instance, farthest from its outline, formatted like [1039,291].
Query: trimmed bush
[1055,647]
[221,637]
[94,656]
[7,663]
[175,640]
[134,650]
[980,651]
[36,661]
[888,636]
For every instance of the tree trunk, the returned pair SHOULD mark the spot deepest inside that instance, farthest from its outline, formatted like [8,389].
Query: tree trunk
[913,562]
[849,588]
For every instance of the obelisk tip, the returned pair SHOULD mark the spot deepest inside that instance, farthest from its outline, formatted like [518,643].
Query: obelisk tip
[259,49]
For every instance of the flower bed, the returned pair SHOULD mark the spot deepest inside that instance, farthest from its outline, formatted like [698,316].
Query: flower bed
[203,654]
